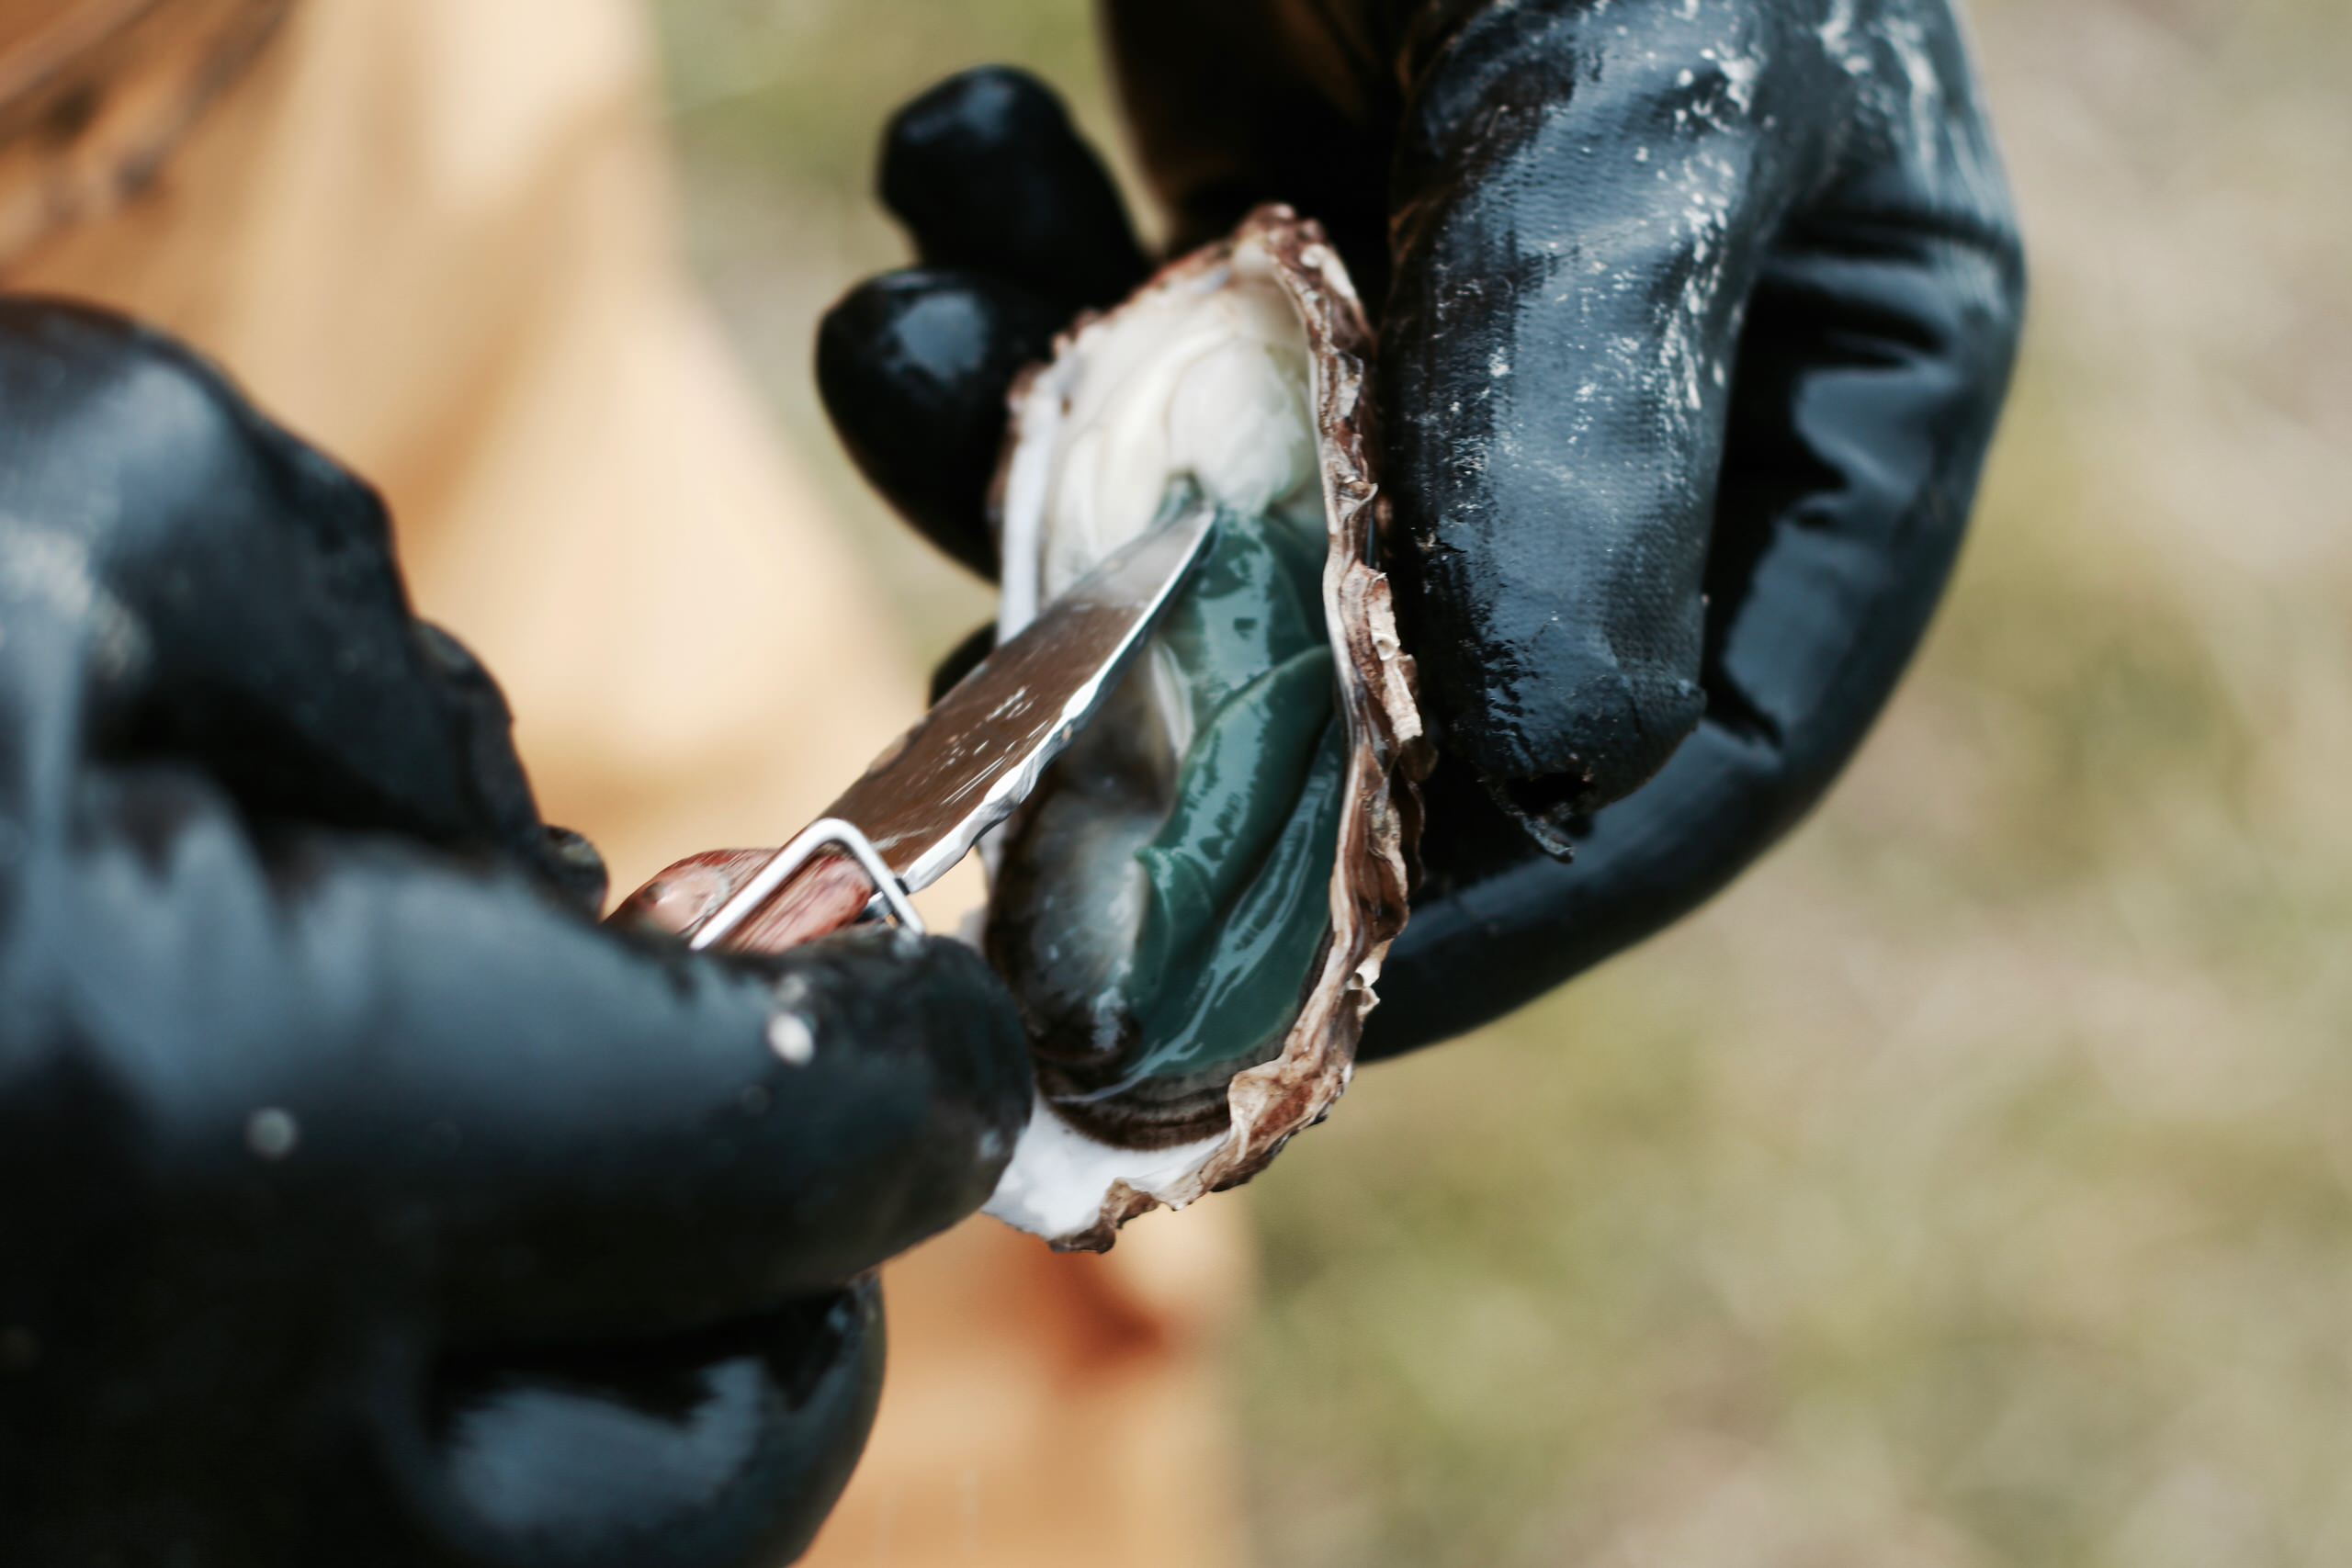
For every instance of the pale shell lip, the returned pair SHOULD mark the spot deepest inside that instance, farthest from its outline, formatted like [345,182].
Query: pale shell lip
[1059,1176]
[1067,1184]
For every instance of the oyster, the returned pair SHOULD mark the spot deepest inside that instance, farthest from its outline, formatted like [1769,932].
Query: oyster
[1194,907]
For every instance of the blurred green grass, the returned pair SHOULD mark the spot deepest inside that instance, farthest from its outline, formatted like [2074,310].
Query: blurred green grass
[1973,1185]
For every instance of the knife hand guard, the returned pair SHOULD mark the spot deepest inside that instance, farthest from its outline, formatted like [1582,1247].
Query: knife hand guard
[829,877]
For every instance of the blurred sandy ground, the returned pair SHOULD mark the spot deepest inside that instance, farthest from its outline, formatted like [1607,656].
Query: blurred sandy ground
[1973,1185]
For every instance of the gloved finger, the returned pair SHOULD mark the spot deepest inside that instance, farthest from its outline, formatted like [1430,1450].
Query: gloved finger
[739,1438]
[1227,106]
[567,1131]
[913,368]
[1881,332]
[962,660]
[1583,201]
[990,176]
[483,733]
[248,614]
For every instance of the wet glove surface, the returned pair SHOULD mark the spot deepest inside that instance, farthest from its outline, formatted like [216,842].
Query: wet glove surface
[361,1200]
[1695,319]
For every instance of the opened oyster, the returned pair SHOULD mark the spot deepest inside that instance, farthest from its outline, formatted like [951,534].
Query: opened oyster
[1194,907]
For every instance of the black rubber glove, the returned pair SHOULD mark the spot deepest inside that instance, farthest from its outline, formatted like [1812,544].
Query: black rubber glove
[1695,318]
[361,1200]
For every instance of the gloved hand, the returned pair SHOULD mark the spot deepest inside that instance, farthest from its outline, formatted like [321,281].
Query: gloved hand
[361,1200]
[1694,321]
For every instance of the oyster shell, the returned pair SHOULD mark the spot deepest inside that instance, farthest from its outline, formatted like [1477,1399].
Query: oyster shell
[1238,372]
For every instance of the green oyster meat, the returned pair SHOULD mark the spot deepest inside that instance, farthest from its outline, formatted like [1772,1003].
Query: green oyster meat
[1163,908]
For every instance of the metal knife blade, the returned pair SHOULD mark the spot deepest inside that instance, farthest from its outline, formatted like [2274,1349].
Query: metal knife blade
[964,767]
[978,753]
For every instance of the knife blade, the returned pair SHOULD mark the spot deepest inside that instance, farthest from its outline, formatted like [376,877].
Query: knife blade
[965,765]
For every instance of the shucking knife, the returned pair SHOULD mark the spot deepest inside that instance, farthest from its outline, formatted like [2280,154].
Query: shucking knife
[964,767]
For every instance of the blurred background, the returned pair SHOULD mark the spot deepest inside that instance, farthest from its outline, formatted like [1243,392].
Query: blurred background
[1973,1184]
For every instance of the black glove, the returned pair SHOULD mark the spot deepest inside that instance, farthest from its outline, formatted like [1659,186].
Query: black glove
[1695,316]
[361,1200]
